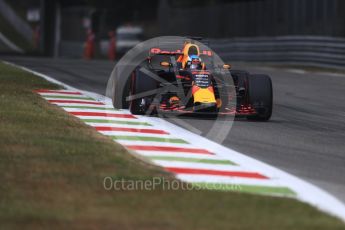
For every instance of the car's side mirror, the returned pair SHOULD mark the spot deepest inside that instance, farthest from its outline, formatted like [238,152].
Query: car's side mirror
[165,64]
[226,66]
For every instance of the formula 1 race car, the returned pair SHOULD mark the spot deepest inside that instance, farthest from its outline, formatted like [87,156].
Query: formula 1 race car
[189,80]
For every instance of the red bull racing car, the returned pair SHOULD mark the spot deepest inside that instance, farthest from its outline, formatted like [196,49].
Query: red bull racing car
[189,80]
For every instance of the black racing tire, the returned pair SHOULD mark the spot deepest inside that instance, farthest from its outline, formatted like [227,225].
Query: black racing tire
[260,96]
[140,83]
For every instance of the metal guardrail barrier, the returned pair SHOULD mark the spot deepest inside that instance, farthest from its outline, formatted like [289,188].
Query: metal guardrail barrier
[21,26]
[299,50]
[296,50]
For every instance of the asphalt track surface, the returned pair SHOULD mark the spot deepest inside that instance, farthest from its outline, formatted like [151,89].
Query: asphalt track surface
[305,137]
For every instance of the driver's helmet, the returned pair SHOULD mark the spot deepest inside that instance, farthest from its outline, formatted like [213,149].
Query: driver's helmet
[194,62]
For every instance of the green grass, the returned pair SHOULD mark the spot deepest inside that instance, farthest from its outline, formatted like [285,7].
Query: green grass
[52,169]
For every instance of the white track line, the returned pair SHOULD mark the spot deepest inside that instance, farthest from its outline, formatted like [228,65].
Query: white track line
[122,133]
[109,124]
[185,155]
[196,165]
[106,118]
[98,110]
[227,180]
[152,143]
[69,100]
[66,105]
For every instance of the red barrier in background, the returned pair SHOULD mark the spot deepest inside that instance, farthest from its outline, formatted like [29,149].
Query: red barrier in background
[112,46]
[89,48]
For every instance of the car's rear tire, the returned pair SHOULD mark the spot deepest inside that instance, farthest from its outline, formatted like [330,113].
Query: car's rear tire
[260,96]
[141,83]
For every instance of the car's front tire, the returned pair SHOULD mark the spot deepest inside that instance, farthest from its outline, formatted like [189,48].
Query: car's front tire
[260,96]
[141,83]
